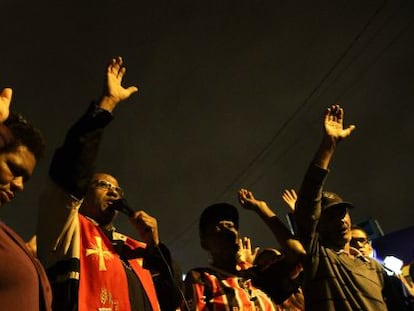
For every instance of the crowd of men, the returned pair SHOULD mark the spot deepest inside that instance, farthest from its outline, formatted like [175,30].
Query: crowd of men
[80,261]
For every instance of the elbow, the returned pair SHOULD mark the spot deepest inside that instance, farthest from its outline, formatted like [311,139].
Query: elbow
[295,250]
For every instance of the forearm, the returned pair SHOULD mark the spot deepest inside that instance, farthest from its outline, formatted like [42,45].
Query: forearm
[279,230]
[291,246]
[308,205]
[325,153]
[73,163]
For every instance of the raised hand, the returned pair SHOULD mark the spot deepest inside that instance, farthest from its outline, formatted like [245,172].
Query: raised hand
[246,254]
[290,197]
[146,226]
[5,99]
[333,124]
[248,201]
[114,91]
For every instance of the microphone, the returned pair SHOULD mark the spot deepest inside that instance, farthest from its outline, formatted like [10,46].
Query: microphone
[122,206]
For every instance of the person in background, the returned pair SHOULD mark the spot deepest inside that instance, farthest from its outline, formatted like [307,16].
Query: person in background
[397,291]
[360,241]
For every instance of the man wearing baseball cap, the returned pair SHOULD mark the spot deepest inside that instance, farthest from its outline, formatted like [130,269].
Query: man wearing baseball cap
[226,284]
[337,277]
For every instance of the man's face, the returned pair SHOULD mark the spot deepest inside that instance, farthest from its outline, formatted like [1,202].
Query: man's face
[360,241]
[335,226]
[102,192]
[221,239]
[16,167]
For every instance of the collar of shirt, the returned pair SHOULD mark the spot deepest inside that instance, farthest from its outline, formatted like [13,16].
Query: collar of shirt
[354,252]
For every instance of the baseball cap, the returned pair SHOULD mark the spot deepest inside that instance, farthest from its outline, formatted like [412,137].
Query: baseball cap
[217,212]
[331,199]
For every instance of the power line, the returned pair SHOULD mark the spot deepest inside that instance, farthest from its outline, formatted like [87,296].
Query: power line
[262,153]
[268,146]
[370,64]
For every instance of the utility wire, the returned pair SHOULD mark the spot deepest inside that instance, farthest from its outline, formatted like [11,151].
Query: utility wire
[359,76]
[261,154]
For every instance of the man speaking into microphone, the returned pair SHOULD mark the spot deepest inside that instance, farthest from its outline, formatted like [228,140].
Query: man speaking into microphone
[90,265]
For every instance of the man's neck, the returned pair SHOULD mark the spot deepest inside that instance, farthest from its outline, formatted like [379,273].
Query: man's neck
[338,246]
[227,266]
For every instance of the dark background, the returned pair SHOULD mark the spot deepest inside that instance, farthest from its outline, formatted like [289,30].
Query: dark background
[231,94]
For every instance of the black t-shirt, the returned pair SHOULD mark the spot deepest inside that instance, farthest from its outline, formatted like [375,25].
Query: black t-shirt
[137,296]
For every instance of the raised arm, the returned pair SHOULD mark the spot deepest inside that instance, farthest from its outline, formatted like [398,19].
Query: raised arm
[292,248]
[114,92]
[308,207]
[74,163]
[72,167]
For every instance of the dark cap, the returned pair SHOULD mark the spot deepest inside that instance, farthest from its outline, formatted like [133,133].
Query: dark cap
[331,199]
[217,212]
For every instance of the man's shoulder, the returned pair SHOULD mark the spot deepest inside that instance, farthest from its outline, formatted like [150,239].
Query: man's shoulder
[201,275]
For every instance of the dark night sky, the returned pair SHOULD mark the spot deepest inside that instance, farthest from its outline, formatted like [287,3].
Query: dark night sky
[231,95]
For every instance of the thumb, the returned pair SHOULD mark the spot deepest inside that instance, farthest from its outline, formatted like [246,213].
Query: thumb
[131,90]
[349,130]
[7,93]
[256,250]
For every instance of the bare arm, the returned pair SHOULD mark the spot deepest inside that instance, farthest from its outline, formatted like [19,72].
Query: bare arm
[292,247]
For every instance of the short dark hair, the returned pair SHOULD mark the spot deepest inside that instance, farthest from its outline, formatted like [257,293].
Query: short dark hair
[25,134]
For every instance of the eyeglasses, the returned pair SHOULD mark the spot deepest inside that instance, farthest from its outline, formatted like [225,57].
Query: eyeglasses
[359,240]
[103,184]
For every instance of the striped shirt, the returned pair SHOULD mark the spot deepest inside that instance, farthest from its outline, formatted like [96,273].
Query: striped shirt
[212,289]
[334,281]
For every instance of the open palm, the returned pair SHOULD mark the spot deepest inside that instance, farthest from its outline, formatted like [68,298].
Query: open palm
[115,73]
[333,123]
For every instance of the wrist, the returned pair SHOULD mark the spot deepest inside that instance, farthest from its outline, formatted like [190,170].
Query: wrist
[328,143]
[108,102]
